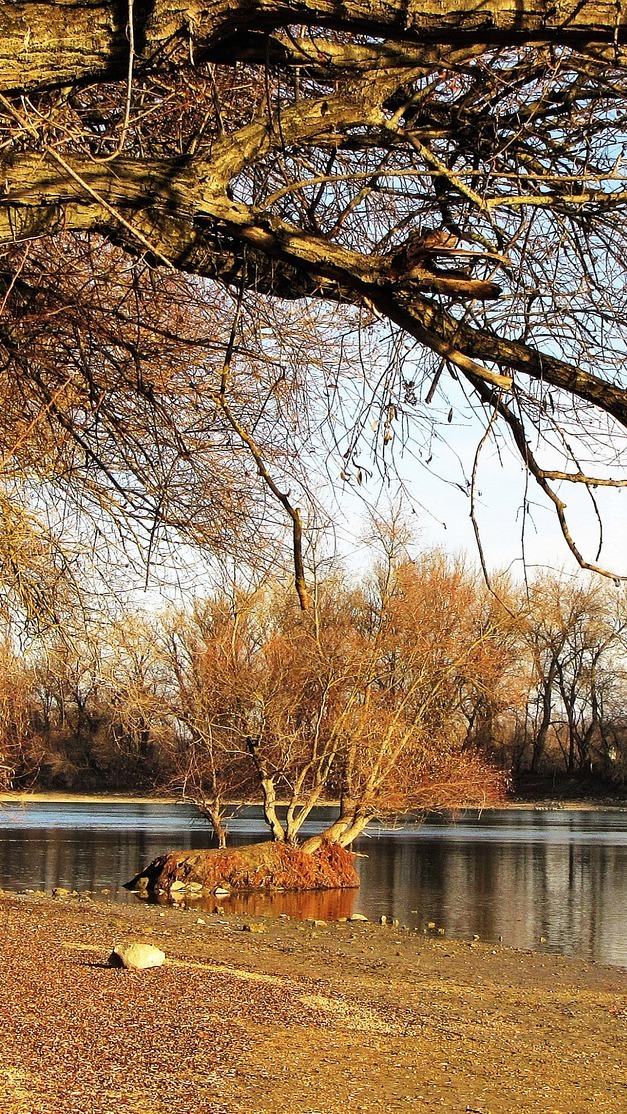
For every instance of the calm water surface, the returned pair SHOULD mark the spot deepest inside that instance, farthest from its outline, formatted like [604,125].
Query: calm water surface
[517,874]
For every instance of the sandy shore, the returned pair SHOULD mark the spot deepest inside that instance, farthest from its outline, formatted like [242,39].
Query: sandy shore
[50,797]
[294,1017]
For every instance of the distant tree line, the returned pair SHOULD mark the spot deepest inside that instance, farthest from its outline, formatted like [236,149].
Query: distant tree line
[412,687]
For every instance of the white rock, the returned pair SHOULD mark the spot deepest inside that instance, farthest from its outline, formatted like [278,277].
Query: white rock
[357,917]
[136,957]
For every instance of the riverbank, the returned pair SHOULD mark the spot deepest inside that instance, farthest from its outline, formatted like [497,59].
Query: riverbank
[271,1015]
[524,804]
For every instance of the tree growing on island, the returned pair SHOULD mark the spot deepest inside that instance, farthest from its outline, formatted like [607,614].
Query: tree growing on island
[202,650]
[356,701]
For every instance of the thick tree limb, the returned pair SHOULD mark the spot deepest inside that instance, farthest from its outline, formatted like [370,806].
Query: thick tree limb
[45,44]
[481,344]
[319,57]
[322,173]
[176,208]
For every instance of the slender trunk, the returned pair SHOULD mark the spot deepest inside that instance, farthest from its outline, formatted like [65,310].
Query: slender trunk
[219,830]
[144,741]
[269,809]
[212,810]
[568,694]
[539,742]
[594,727]
[294,820]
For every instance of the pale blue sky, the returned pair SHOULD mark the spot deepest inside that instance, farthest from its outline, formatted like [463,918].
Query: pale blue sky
[442,510]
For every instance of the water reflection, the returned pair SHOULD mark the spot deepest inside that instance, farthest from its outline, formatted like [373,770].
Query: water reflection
[326,905]
[519,875]
[515,876]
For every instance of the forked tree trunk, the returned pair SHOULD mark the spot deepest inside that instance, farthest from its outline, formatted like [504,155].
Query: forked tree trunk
[214,813]
[344,830]
[539,742]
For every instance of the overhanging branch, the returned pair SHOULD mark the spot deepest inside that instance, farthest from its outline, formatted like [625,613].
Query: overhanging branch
[50,45]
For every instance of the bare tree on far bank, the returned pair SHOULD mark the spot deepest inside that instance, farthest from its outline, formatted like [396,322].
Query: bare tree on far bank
[574,639]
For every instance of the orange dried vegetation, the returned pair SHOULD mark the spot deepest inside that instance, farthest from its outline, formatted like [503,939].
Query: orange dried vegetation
[257,866]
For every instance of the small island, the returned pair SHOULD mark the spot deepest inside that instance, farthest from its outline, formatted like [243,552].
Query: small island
[267,866]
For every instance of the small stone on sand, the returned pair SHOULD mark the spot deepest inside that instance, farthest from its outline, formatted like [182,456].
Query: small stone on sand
[136,957]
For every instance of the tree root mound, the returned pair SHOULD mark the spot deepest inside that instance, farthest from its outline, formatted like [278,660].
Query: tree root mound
[257,866]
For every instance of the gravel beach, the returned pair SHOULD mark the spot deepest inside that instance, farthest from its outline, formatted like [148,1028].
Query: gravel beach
[276,1015]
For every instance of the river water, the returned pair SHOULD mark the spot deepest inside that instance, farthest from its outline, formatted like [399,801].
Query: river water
[544,880]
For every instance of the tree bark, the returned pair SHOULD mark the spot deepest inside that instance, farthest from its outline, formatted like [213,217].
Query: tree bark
[54,44]
[269,809]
